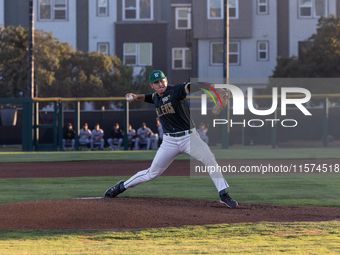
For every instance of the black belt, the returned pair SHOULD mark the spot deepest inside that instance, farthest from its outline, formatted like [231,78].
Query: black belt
[179,134]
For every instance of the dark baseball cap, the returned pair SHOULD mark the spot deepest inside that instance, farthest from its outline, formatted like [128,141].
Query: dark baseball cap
[156,76]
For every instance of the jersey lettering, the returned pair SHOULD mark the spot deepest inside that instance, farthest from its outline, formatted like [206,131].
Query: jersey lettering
[165,109]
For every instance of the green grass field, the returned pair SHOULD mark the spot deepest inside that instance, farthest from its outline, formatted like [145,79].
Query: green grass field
[294,189]
[240,152]
[259,238]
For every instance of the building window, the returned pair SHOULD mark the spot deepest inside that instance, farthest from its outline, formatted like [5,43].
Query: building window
[234,53]
[137,9]
[138,54]
[50,10]
[233,9]
[103,48]
[217,53]
[312,8]
[102,8]
[181,58]
[183,18]
[216,9]
[262,51]
[262,6]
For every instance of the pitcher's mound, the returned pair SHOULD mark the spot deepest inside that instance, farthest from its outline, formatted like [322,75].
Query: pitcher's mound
[133,213]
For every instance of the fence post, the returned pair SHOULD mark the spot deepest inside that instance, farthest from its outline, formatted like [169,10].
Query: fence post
[55,126]
[76,124]
[225,131]
[35,124]
[325,122]
[27,126]
[126,124]
[274,130]
[60,125]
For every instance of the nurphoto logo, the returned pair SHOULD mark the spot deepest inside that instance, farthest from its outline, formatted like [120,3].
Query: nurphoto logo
[239,99]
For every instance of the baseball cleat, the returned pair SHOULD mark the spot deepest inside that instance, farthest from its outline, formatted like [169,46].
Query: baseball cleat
[114,191]
[226,199]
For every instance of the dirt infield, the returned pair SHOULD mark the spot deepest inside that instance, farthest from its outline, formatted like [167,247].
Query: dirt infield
[129,212]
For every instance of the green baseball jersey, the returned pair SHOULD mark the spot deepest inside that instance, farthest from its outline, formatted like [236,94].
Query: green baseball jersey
[172,108]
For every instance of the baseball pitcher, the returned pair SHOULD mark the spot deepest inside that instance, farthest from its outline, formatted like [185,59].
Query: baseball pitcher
[179,135]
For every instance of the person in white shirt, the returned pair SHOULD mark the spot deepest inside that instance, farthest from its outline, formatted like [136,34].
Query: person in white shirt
[131,136]
[97,137]
[85,136]
[143,136]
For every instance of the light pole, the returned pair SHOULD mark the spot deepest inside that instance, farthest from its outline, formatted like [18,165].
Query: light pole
[226,41]
[225,112]
[30,50]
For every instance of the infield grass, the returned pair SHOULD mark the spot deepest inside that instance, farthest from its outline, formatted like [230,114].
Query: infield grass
[289,189]
[255,152]
[245,238]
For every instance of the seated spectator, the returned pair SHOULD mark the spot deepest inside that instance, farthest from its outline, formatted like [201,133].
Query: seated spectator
[202,131]
[85,136]
[68,137]
[143,137]
[131,136]
[97,137]
[116,138]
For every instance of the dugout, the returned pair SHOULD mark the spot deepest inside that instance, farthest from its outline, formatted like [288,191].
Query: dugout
[38,130]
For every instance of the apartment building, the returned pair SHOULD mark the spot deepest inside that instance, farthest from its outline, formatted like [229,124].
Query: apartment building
[181,41]
[303,18]
[252,46]
[182,37]
[156,33]
[87,25]
[2,13]
[142,33]
[260,31]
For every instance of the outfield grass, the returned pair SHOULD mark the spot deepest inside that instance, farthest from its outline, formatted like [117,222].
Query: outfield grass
[289,189]
[246,238]
[232,153]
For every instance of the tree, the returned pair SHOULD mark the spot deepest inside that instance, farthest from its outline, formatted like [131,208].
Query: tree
[320,60]
[13,61]
[48,53]
[125,82]
[324,54]
[61,71]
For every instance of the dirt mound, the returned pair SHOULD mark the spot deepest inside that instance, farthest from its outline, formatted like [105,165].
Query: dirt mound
[133,213]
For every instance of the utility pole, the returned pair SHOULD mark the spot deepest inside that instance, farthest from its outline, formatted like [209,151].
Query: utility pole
[226,41]
[32,114]
[225,112]
[30,50]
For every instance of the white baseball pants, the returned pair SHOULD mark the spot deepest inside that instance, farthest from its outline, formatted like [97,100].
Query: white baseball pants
[171,147]
[138,141]
[100,142]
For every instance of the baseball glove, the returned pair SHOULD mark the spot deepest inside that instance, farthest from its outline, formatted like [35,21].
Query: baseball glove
[224,95]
